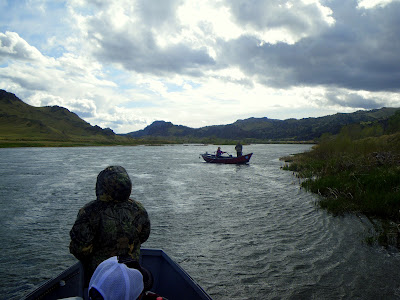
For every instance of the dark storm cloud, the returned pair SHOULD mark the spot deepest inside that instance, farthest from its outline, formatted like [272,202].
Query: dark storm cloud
[352,100]
[359,52]
[134,47]
[296,17]
[141,54]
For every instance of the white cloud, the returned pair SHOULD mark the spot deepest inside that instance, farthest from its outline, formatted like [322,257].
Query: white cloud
[204,18]
[123,64]
[12,46]
[374,3]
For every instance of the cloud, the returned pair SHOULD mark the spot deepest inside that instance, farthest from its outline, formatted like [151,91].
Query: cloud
[357,53]
[374,3]
[85,108]
[158,14]
[352,100]
[337,45]
[141,54]
[117,38]
[121,120]
[123,64]
[296,19]
[12,46]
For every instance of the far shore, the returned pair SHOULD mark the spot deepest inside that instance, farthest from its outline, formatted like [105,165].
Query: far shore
[147,142]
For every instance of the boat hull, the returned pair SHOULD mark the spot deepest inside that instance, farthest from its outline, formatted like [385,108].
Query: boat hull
[210,158]
[170,280]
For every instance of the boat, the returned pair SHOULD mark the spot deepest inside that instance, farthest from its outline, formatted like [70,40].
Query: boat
[212,158]
[170,280]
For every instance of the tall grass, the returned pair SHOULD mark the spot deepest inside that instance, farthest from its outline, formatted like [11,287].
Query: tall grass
[353,175]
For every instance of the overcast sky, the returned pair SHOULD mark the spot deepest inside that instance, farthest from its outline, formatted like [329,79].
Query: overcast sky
[124,64]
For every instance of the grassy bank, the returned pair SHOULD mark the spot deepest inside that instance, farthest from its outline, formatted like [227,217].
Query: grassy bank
[126,141]
[81,142]
[360,176]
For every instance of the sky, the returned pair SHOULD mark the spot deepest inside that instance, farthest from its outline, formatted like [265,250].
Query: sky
[123,64]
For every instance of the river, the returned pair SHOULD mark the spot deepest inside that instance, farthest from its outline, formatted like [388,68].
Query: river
[241,231]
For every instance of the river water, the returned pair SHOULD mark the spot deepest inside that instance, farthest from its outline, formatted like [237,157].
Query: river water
[242,232]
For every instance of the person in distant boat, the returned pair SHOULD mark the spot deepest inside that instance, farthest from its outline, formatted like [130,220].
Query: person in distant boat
[112,225]
[220,152]
[239,149]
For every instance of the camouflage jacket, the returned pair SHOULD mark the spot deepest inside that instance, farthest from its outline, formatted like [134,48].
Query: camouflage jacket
[104,229]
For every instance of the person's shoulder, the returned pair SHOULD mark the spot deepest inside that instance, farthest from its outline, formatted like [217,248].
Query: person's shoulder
[90,207]
[91,203]
[136,203]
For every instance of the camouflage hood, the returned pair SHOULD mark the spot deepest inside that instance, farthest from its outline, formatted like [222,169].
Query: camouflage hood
[113,185]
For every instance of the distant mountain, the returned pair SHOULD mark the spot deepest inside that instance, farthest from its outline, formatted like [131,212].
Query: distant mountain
[163,129]
[20,121]
[263,129]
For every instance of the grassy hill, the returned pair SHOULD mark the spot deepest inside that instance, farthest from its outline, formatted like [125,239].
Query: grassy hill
[25,125]
[22,124]
[267,130]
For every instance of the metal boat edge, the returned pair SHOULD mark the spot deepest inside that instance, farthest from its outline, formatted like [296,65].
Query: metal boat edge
[170,280]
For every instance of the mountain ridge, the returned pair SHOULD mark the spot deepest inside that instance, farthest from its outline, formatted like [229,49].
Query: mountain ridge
[22,122]
[305,129]
[19,120]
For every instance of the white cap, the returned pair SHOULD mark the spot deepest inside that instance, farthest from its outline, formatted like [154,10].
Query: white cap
[115,280]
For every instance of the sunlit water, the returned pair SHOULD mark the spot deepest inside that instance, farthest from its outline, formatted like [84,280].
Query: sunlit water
[242,232]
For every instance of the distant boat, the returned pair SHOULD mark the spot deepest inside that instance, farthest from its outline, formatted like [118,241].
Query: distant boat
[170,280]
[211,158]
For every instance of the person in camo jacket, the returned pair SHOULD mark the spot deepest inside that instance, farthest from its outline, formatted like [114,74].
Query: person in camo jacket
[112,225]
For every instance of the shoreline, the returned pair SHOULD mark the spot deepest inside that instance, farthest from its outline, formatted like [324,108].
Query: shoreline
[149,142]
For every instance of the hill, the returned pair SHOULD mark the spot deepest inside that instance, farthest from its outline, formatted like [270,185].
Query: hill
[25,125]
[22,122]
[265,129]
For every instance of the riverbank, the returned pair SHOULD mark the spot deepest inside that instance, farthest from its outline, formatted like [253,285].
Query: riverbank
[19,143]
[123,141]
[358,176]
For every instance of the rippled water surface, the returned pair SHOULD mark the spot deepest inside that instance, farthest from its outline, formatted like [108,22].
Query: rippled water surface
[242,232]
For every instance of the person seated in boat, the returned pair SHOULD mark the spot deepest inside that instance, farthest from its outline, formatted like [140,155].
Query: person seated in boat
[219,152]
[239,149]
[112,225]
[110,281]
